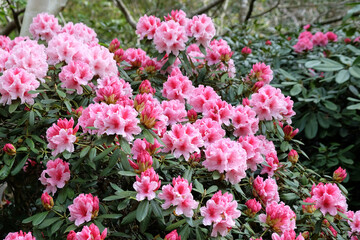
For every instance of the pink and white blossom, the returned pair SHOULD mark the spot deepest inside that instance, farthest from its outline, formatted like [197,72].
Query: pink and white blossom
[55,176]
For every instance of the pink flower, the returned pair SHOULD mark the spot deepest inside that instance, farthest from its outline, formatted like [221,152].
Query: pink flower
[174,110]
[119,120]
[84,208]
[29,56]
[202,29]
[253,207]
[293,156]
[279,217]
[200,95]
[16,83]
[5,42]
[146,26]
[227,156]
[305,34]
[19,236]
[74,75]
[309,208]
[145,98]
[210,130]
[307,26]
[354,223]
[89,115]
[44,27]
[88,232]
[272,164]
[183,140]
[135,57]
[81,32]
[347,40]
[289,132]
[58,173]
[47,201]
[266,190]
[178,16]
[269,103]
[246,51]
[140,146]
[218,51]
[102,62]
[179,195]
[287,235]
[328,198]
[144,162]
[319,39]
[173,235]
[147,185]
[113,90]
[177,87]
[170,37]
[221,211]
[303,45]
[245,121]
[61,136]
[339,175]
[262,72]
[252,146]
[219,111]
[268,42]
[151,114]
[332,37]
[4,55]
[9,149]
[265,145]
[145,87]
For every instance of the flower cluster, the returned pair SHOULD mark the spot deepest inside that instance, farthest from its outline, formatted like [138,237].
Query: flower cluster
[266,190]
[58,173]
[179,195]
[147,185]
[44,26]
[84,208]
[87,232]
[113,90]
[306,41]
[220,211]
[19,236]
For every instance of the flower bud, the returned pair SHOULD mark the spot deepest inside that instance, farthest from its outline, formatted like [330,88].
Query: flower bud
[47,201]
[246,102]
[145,87]
[253,207]
[148,116]
[9,149]
[306,235]
[289,132]
[257,86]
[339,175]
[246,51]
[114,45]
[293,156]
[309,208]
[173,236]
[268,42]
[347,40]
[71,235]
[192,115]
[195,157]
[119,55]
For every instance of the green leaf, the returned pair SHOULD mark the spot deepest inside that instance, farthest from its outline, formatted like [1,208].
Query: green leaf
[330,105]
[288,196]
[286,74]
[48,222]
[30,143]
[211,189]
[56,226]
[125,146]
[355,71]
[19,166]
[318,226]
[169,62]
[342,76]
[13,106]
[156,209]
[69,228]
[104,153]
[142,210]
[127,173]
[148,136]
[84,151]
[199,186]
[296,89]
[188,174]
[68,106]
[312,63]
[31,118]
[61,93]
[92,154]
[129,218]
[356,61]
[311,128]
[39,218]
[175,225]
[354,107]
[109,216]
[329,66]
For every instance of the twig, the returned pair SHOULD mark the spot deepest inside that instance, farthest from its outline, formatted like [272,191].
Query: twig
[337,19]
[267,11]
[251,8]
[11,26]
[15,15]
[125,11]
[207,7]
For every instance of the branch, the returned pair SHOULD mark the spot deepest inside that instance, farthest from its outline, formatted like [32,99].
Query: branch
[125,11]
[267,11]
[206,8]
[11,26]
[337,19]
[15,16]
[251,8]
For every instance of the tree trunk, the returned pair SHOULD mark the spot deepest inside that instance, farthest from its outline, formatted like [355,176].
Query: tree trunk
[34,7]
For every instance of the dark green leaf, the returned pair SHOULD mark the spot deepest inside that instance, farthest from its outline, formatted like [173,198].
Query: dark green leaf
[342,76]
[39,218]
[142,210]
[19,166]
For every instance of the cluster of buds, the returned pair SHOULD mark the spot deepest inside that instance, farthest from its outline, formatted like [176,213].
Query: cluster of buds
[173,236]
[145,87]
[289,132]
[310,208]
[114,45]
[253,207]
[9,149]
[143,162]
[192,115]
[246,51]
[268,43]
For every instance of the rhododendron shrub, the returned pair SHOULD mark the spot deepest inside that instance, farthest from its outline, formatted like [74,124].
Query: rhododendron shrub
[112,143]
